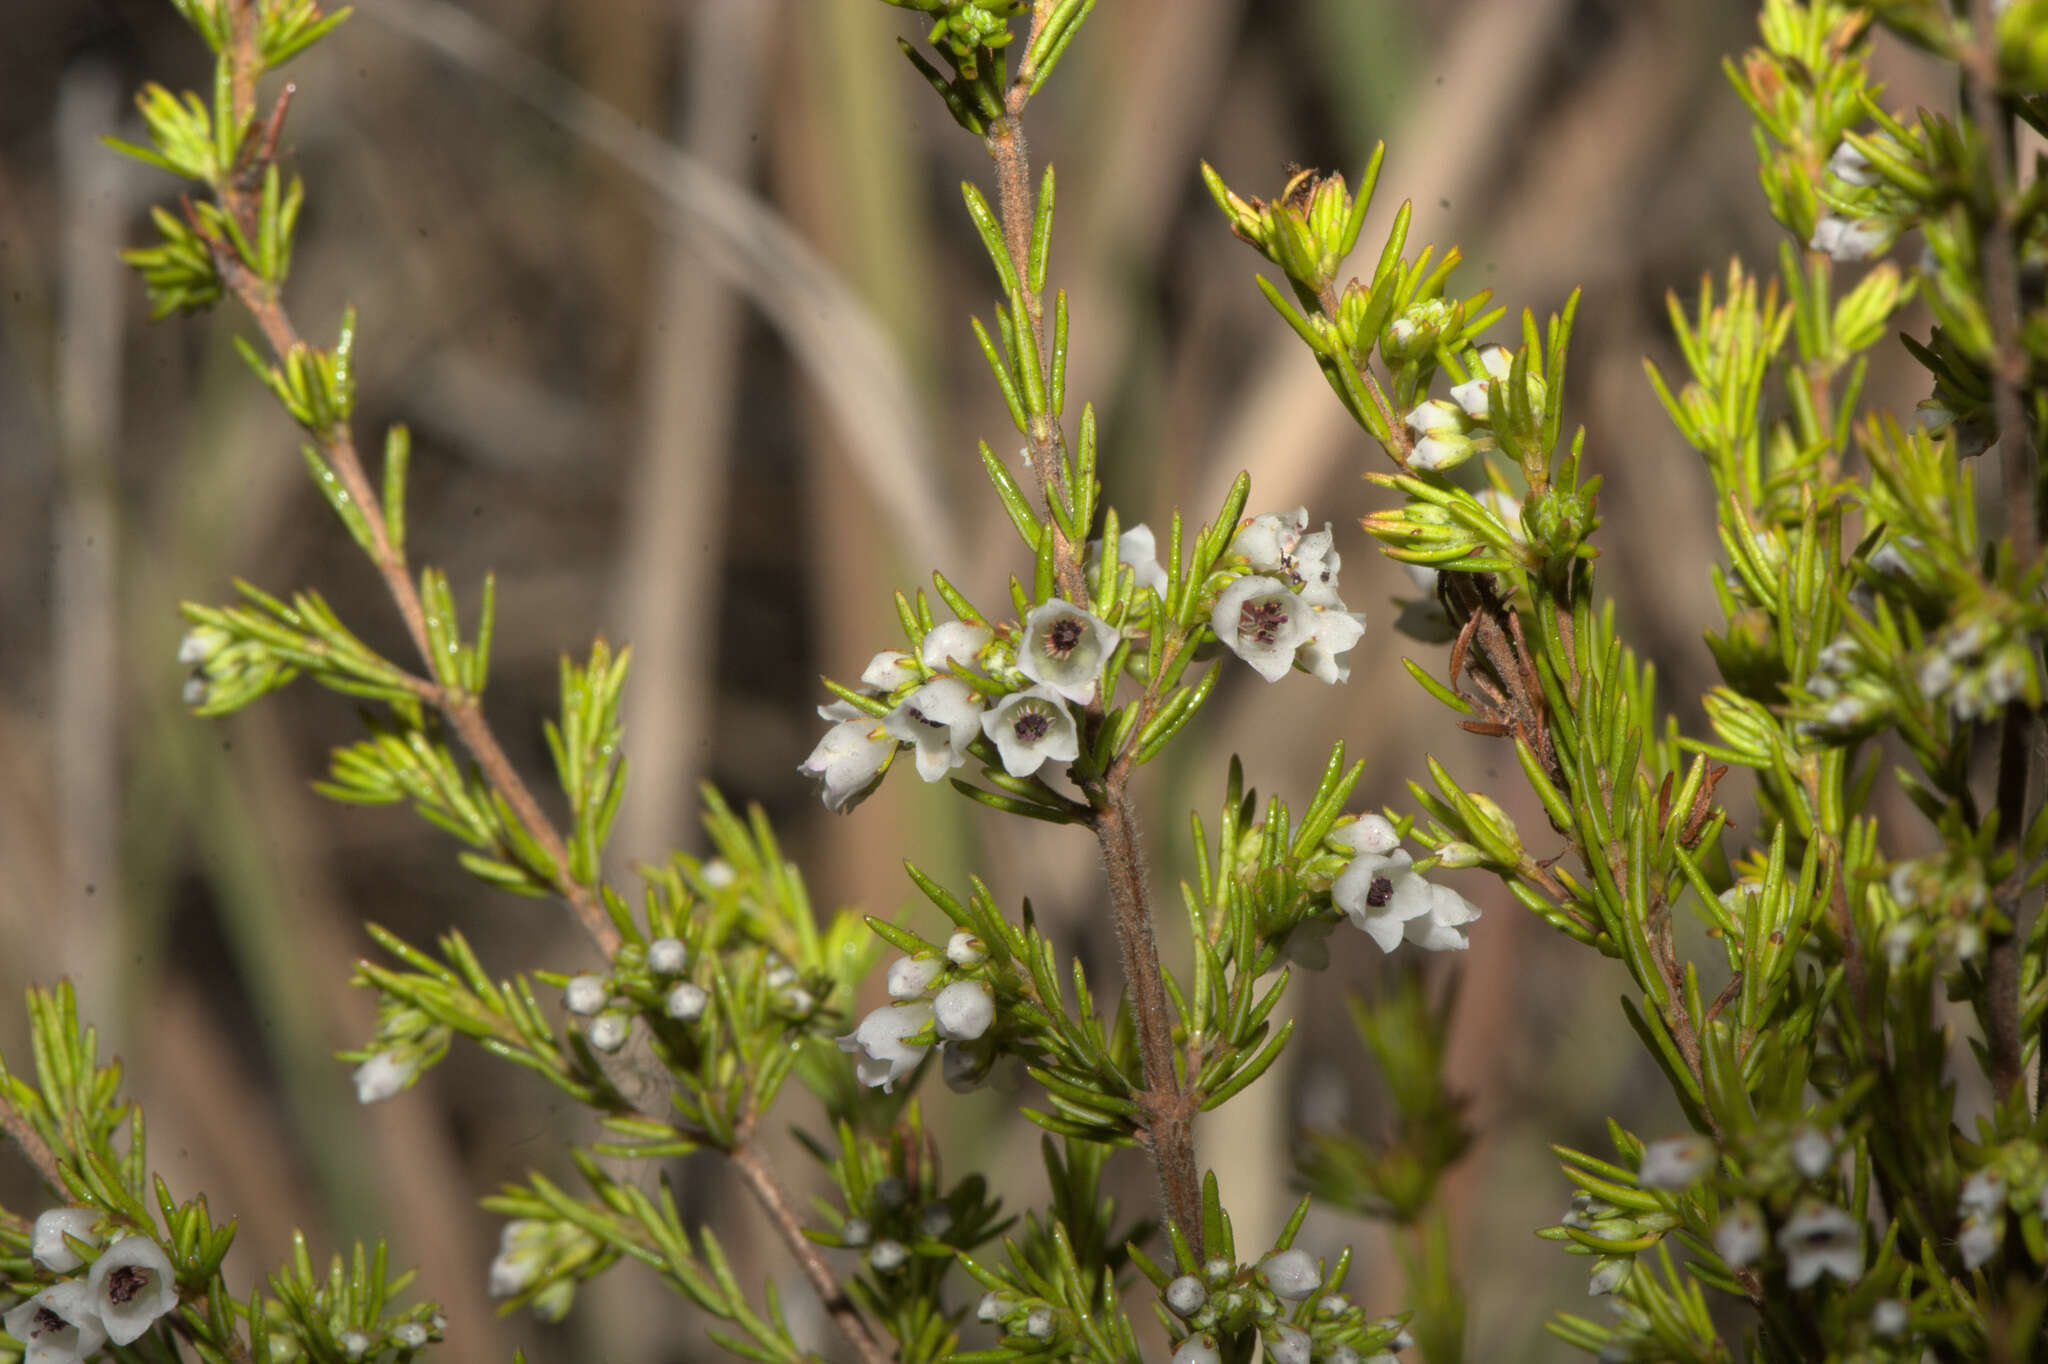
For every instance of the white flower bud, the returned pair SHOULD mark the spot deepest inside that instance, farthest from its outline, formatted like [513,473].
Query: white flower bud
[1373,834]
[1675,1164]
[47,1243]
[994,1307]
[910,977]
[667,957]
[890,1193]
[608,1031]
[1039,1323]
[963,949]
[1186,1295]
[411,1335]
[354,1344]
[887,1256]
[1287,1345]
[686,1002]
[963,1011]
[935,1220]
[383,1076]
[586,994]
[1888,1318]
[718,873]
[1198,1350]
[1291,1274]
[856,1232]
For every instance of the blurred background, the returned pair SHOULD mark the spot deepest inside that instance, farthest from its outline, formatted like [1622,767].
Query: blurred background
[674,294]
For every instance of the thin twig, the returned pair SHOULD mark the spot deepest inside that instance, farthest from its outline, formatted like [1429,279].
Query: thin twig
[462,709]
[774,1200]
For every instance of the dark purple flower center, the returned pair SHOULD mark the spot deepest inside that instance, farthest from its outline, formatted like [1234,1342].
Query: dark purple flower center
[1060,641]
[46,1321]
[1031,726]
[924,719]
[1379,892]
[124,1283]
[1262,621]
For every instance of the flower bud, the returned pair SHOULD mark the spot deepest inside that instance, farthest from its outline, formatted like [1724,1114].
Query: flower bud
[608,1031]
[667,957]
[887,1256]
[965,950]
[1186,1295]
[586,994]
[1292,1274]
[686,1002]
[910,977]
[963,1011]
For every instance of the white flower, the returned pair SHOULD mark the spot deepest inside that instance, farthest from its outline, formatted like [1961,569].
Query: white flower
[1064,647]
[1264,623]
[1812,1152]
[1040,1323]
[1820,1239]
[963,1011]
[1139,548]
[1675,1164]
[1888,1317]
[1369,833]
[1441,430]
[383,1076]
[1380,893]
[584,995]
[887,1256]
[884,1053]
[1739,1236]
[1030,729]
[1291,1274]
[58,1325]
[1472,396]
[940,719]
[1197,1350]
[1983,1194]
[354,1344]
[1280,545]
[47,1242]
[857,1232]
[1847,239]
[850,758]
[522,1254]
[1852,167]
[685,1003]
[201,643]
[1443,928]
[718,873]
[409,1335]
[667,957]
[910,977]
[1609,1273]
[1186,1295]
[994,1307]
[1289,1345]
[964,949]
[131,1286]
[1978,1239]
[1336,631]
[955,641]
[608,1031]
[965,1068]
[888,670]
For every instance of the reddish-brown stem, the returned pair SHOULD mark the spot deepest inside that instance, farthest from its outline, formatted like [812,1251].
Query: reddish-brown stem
[767,1190]
[1168,1109]
[461,709]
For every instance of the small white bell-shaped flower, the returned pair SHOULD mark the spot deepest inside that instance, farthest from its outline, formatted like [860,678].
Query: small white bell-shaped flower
[1031,728]
[1852,167]
[47,1242]
[1850,239]
[1139,548]
[1443,928]
[910,977]
[954,642]
[850,758]
[1739,1235]
[131,1286]
[1676,1163]
[58,1325]
[963,1011]
[1381,893]
[1818,1239]
[881,1042]
[1064,648]
[385,1075]
[1263,622]
[1336,631]
[1442,439]
[888,670]
[939,719]
[1280,545]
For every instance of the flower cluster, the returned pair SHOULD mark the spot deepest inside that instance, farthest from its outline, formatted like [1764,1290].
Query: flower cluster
[128,1287]
[932,1001]
[1857,227]
[1285,1299]
[1386,898]
[1285,612]
[1447,432]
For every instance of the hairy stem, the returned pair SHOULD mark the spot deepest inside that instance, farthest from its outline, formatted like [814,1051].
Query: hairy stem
[1168,1108]
[462,709]
[775,1202]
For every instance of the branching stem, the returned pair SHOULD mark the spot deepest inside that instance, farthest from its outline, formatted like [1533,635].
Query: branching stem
[462,709]
[1168,1107]
[767,1190]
